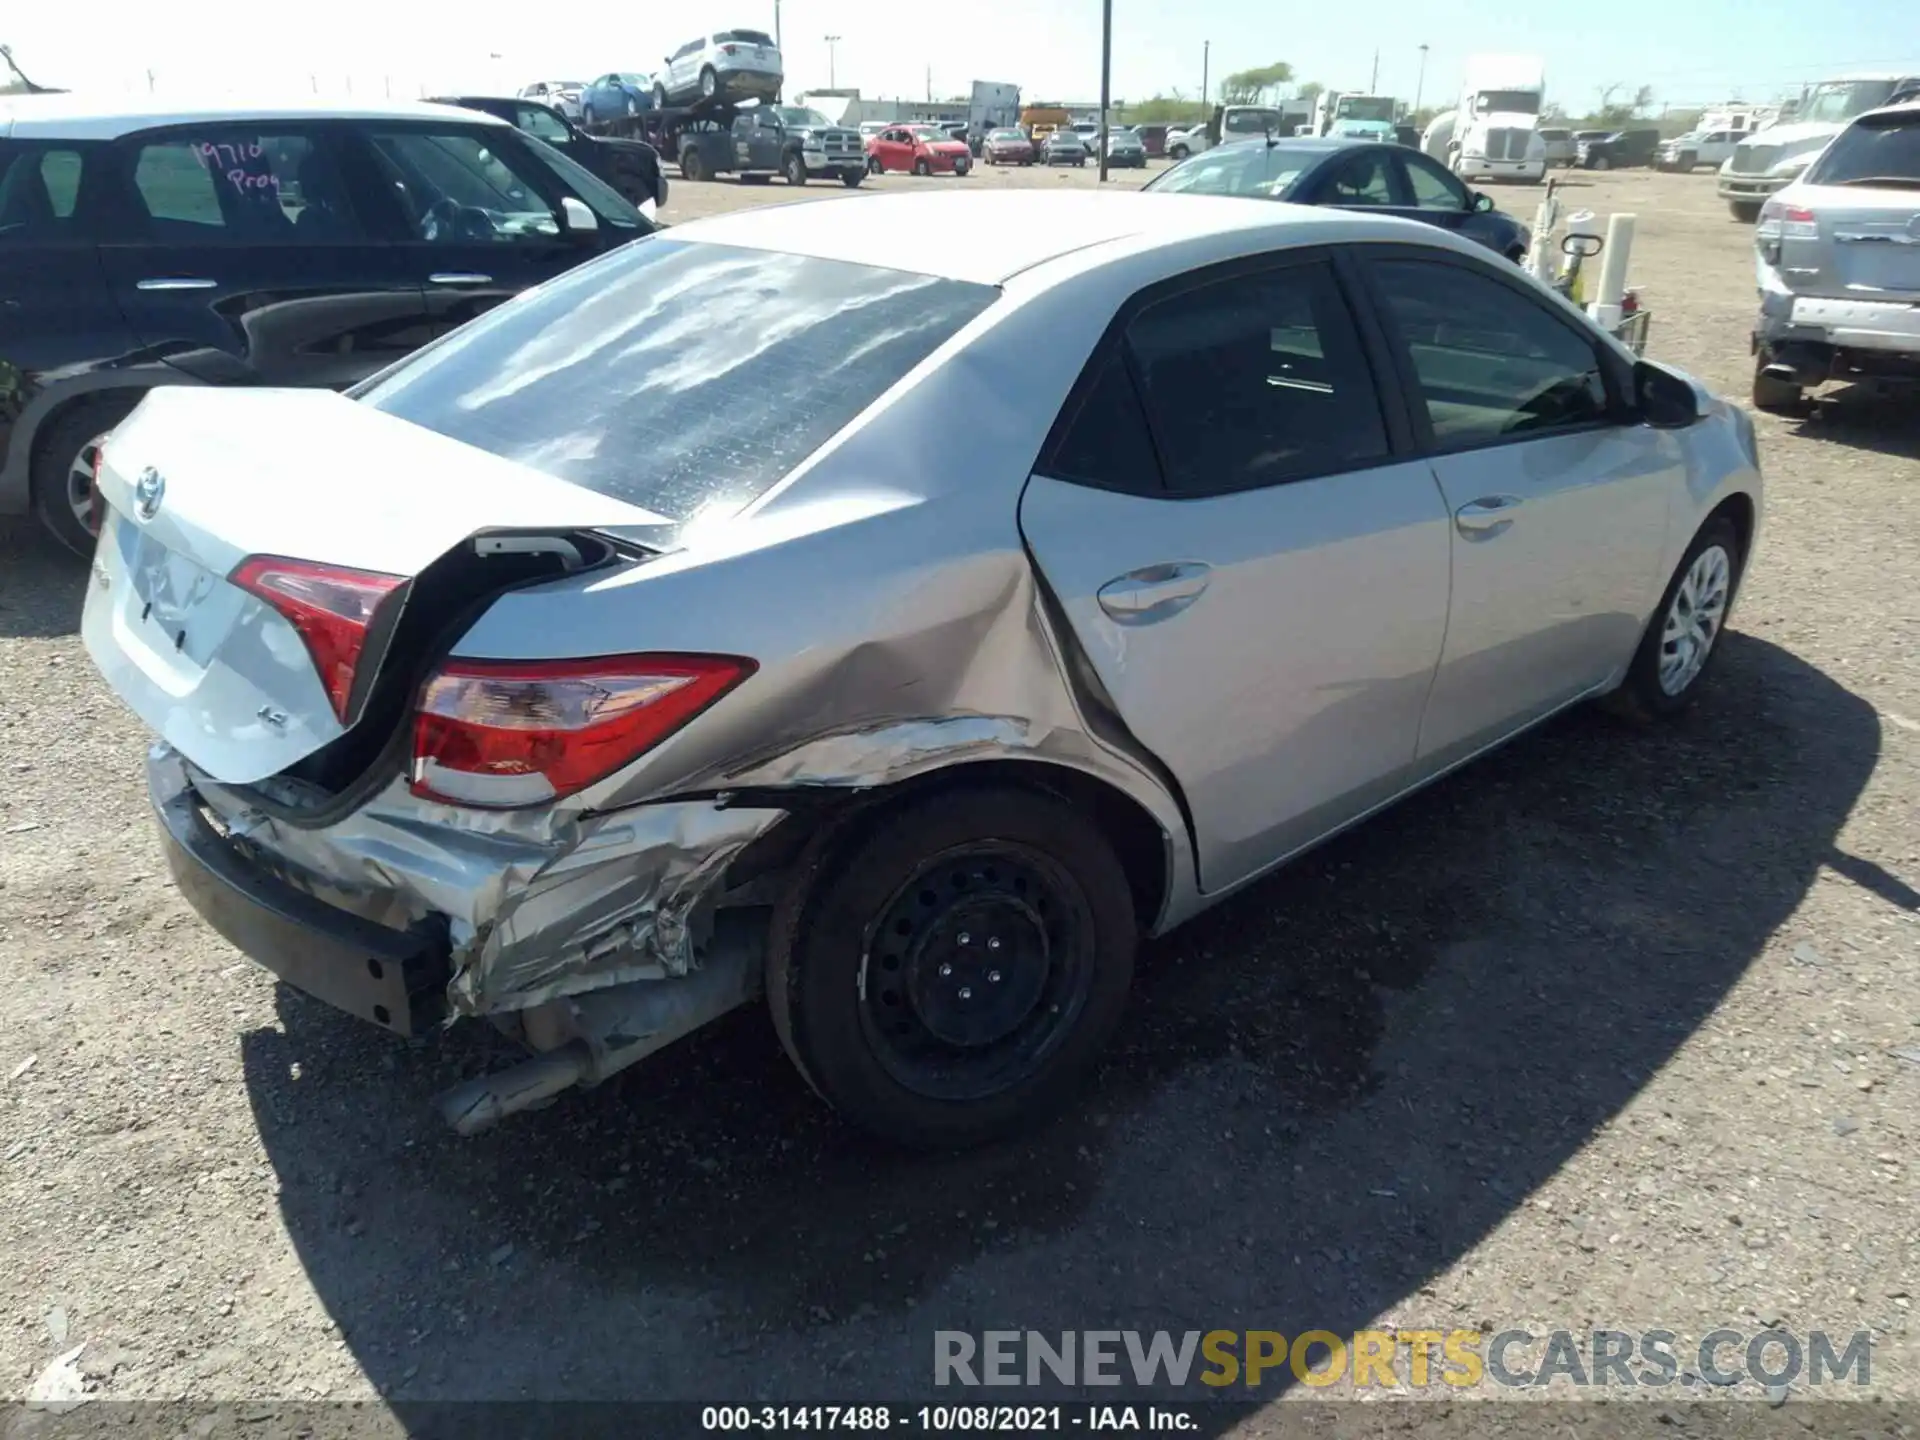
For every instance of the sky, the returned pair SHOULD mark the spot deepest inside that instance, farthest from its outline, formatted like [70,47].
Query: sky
[1689,51]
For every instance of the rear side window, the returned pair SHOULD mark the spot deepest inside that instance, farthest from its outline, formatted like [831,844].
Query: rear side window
[683,378]
[1879,149]
[1255,380]
[243,187]
[39,192]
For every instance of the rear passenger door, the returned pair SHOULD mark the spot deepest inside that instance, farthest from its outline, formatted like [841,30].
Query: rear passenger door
[1559,494]
[246,258]
[1253,561]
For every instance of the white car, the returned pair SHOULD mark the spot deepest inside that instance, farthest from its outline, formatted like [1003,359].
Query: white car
[1191,141]
[726,65]
[1703,147]
[563,95]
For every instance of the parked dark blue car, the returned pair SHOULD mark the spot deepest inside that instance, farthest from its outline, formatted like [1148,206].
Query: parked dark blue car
[1352,175]
[619,96]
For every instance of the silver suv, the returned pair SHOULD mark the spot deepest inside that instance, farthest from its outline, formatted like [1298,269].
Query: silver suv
[1839,265]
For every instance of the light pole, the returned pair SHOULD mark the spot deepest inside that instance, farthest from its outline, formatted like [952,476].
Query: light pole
[1420,84]
[776,24]
[832,40]
[1206,55]
[1106,79]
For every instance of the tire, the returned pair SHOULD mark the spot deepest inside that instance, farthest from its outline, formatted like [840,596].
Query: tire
[633,107]
[1644,696]
[692,167]
[1776,396]
[1179,152]
[1599,162]
[988,858]
[960,168]
[852,178]
[921,167]
[63,454]
[709,83]
[659,96]
[874,167]
[794,170]
[1747,212]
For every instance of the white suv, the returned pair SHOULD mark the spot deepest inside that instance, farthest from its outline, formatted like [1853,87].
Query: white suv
[1702,147]
[727,65]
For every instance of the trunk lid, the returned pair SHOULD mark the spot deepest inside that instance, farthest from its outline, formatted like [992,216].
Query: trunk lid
[197,481]
[1871,238]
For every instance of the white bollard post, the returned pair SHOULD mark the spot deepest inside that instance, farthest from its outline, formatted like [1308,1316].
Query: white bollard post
[1540,257]
[1605,308]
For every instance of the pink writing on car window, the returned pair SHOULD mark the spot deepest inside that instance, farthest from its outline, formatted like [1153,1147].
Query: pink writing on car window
[231,160]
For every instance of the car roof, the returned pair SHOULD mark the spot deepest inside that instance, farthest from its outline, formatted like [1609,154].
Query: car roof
[98,117]
[1904,108]
[988,237]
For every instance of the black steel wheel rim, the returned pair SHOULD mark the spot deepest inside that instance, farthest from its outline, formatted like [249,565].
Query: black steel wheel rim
[976,970]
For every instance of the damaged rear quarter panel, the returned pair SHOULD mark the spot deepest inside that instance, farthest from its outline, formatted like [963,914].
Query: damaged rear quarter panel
[886,595]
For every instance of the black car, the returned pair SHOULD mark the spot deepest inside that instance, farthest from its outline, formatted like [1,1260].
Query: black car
[143,245]
[630,166]
[1619,149]
[1370,175]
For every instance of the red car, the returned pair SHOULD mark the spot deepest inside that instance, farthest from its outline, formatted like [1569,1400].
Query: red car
[919,148]
[1007,147]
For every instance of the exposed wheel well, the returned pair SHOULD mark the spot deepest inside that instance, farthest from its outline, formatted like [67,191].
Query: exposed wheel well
[1137,839]
[1739,509]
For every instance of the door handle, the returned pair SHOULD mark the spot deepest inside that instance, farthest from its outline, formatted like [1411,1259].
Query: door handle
[459,277]
[175,282]
[1154,592]
[1486,517]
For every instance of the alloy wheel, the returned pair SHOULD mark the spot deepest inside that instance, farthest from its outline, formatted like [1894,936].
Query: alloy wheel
[80,484]
[1694,618]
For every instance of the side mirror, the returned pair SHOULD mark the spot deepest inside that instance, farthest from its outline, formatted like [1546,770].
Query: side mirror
[1668,400]
[1482,203]
[577,220]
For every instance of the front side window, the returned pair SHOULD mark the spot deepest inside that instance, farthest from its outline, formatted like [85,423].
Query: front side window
[1882,151]
[1255,380]
[684,378]
[249,187]
[542,124]
[456,188]
[1432,186]
[1492,363]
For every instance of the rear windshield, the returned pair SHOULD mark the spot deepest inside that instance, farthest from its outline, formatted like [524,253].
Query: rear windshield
[1886,150]
[743,37]
[1259,171]
[1252,122]
[680,377]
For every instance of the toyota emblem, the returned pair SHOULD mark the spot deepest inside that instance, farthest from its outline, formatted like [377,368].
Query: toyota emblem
[148,491]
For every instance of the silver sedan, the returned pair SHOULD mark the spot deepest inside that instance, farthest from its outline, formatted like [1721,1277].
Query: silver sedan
[888,612]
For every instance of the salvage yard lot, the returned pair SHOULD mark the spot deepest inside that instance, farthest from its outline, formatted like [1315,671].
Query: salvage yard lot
[1613,1029]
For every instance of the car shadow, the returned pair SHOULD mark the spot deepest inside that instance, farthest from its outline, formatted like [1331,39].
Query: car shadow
[42,585]
[1327,1091]
[1865,416]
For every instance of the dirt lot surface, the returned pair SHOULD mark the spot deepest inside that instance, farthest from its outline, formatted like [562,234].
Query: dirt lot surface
[1614,1029]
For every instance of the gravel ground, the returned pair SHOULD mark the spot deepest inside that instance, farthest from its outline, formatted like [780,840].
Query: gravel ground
[1614,1029]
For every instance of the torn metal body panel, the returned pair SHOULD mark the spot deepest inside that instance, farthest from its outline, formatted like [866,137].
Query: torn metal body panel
[539,904]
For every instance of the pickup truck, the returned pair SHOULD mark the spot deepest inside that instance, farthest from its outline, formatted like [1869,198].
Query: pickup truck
[797,144]
[631,167]
[1709,147]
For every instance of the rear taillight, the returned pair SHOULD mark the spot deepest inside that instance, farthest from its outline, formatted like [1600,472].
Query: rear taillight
[332,608]
[505,733]
[729,49]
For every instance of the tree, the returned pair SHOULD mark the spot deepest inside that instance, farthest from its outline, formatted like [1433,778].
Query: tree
[1310,92]
[1617,111]
[1157,109]
[1250,87]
